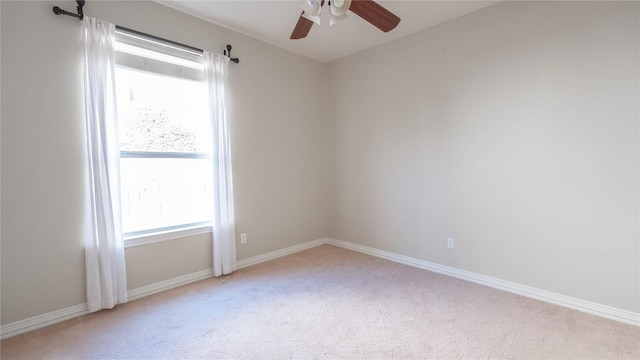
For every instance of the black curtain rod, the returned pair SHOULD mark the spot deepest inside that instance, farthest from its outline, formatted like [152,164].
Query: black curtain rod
[80,15]
[140,33]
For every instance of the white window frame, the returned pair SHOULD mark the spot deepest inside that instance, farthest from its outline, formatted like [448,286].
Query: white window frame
[134,44]
[175,234]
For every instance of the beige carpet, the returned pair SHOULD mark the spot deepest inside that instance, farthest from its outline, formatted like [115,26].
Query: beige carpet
[332,303]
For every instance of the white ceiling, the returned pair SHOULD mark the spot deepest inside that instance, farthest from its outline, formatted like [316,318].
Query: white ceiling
[272,21]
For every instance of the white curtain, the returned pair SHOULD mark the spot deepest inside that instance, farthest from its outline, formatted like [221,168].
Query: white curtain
[104,248]
[224,229]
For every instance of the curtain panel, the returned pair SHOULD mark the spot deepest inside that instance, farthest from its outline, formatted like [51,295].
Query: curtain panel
[104,247]
[224,229]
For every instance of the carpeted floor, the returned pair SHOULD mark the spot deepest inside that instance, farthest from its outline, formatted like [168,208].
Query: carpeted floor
[331,303]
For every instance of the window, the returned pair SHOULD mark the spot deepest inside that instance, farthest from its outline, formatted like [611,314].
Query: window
[165,137]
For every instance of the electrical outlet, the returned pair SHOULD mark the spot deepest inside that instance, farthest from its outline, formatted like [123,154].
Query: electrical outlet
[243,238]
[450,243]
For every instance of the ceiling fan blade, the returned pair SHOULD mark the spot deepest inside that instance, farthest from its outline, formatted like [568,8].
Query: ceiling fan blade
[375,14]
[302,28]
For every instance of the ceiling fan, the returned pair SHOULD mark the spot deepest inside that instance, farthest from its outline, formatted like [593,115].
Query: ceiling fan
[369,10]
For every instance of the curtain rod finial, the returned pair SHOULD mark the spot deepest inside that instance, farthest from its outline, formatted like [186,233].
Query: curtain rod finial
[228,53]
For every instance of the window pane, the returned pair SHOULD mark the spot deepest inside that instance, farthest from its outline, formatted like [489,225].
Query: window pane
[159,193]
[165,139]
[161,113]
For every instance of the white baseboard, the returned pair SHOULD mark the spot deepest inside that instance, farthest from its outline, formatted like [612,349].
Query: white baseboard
[54,317]
[624,316]
[279,253]
[143,291]
[608,312]
[40,321]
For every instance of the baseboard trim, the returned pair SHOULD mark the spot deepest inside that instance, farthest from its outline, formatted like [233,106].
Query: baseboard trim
[620,315]
[279,253]
[54,317]
[155,288]
[40,321]
[608,312]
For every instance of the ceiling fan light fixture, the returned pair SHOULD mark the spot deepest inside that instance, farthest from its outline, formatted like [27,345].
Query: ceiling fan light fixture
[312,9]
[369,10]
[339,7]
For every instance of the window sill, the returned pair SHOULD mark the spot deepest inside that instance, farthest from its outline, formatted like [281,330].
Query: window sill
[166,235]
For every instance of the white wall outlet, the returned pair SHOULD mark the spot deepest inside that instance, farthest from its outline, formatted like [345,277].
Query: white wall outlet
[450,243]
[243,238]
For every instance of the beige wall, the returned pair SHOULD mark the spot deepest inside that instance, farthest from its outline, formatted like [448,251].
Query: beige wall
[278,149]
[513,130]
